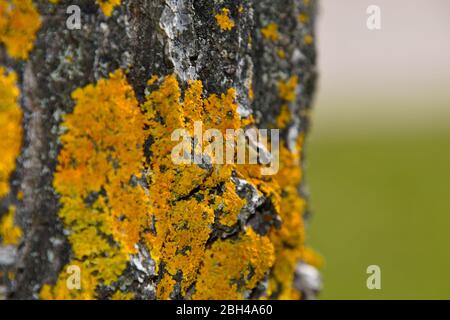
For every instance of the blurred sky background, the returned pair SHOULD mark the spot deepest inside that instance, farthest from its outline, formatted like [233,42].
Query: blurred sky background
[379,151]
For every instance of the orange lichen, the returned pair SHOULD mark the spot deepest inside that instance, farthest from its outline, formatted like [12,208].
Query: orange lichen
[178,223]
[303,18]
[281,54]
[288,240]
[223,20]
[287,89]
[232,267]
[251,93]
[232,205]
[119,295]
[170,208]
[183,227]
[108,6]
[10,123]
[19,22]
[152,80]
[308,39]
[10,233]
[104,211]
[311,257]
[270,32]
[284,118]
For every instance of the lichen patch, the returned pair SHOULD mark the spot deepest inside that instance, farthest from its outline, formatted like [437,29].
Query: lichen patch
[19,22]
[10,233]
[103,211]
[11,125]
[223,19]
[270,32]
[207,236]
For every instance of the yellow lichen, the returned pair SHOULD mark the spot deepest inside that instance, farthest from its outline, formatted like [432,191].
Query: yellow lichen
[10,123]
[19,22]
[183,227]
[308,39]
[303,18]
[311,257]
[270,32]
[289,239]
[232,267]
[287,89]
[178,223]
[119,295]
[284,117]
[108,6]
[224,21]
[10,233]
[232,205]
[281,54]
[251,93]
[152,80]
[105,213]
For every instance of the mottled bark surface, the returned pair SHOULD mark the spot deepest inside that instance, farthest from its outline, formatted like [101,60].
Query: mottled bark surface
[269,49]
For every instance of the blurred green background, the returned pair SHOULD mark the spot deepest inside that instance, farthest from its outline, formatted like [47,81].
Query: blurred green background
[384,200]
[378,156]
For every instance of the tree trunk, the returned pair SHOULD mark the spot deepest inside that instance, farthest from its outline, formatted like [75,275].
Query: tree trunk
[92,205]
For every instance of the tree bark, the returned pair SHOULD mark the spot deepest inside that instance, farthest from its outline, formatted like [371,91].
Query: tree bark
[162,231]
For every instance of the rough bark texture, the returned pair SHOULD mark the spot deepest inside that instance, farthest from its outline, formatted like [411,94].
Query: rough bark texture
[264,50]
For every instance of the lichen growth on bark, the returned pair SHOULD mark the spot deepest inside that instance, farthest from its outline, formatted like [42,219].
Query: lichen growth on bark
[99,183]
[171,208]
[287,89]
[19,22]
[10,123]
[104,213]
[270,31]
[183,227]
[232,267]
[108,6]
[223,19]
[10,233]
